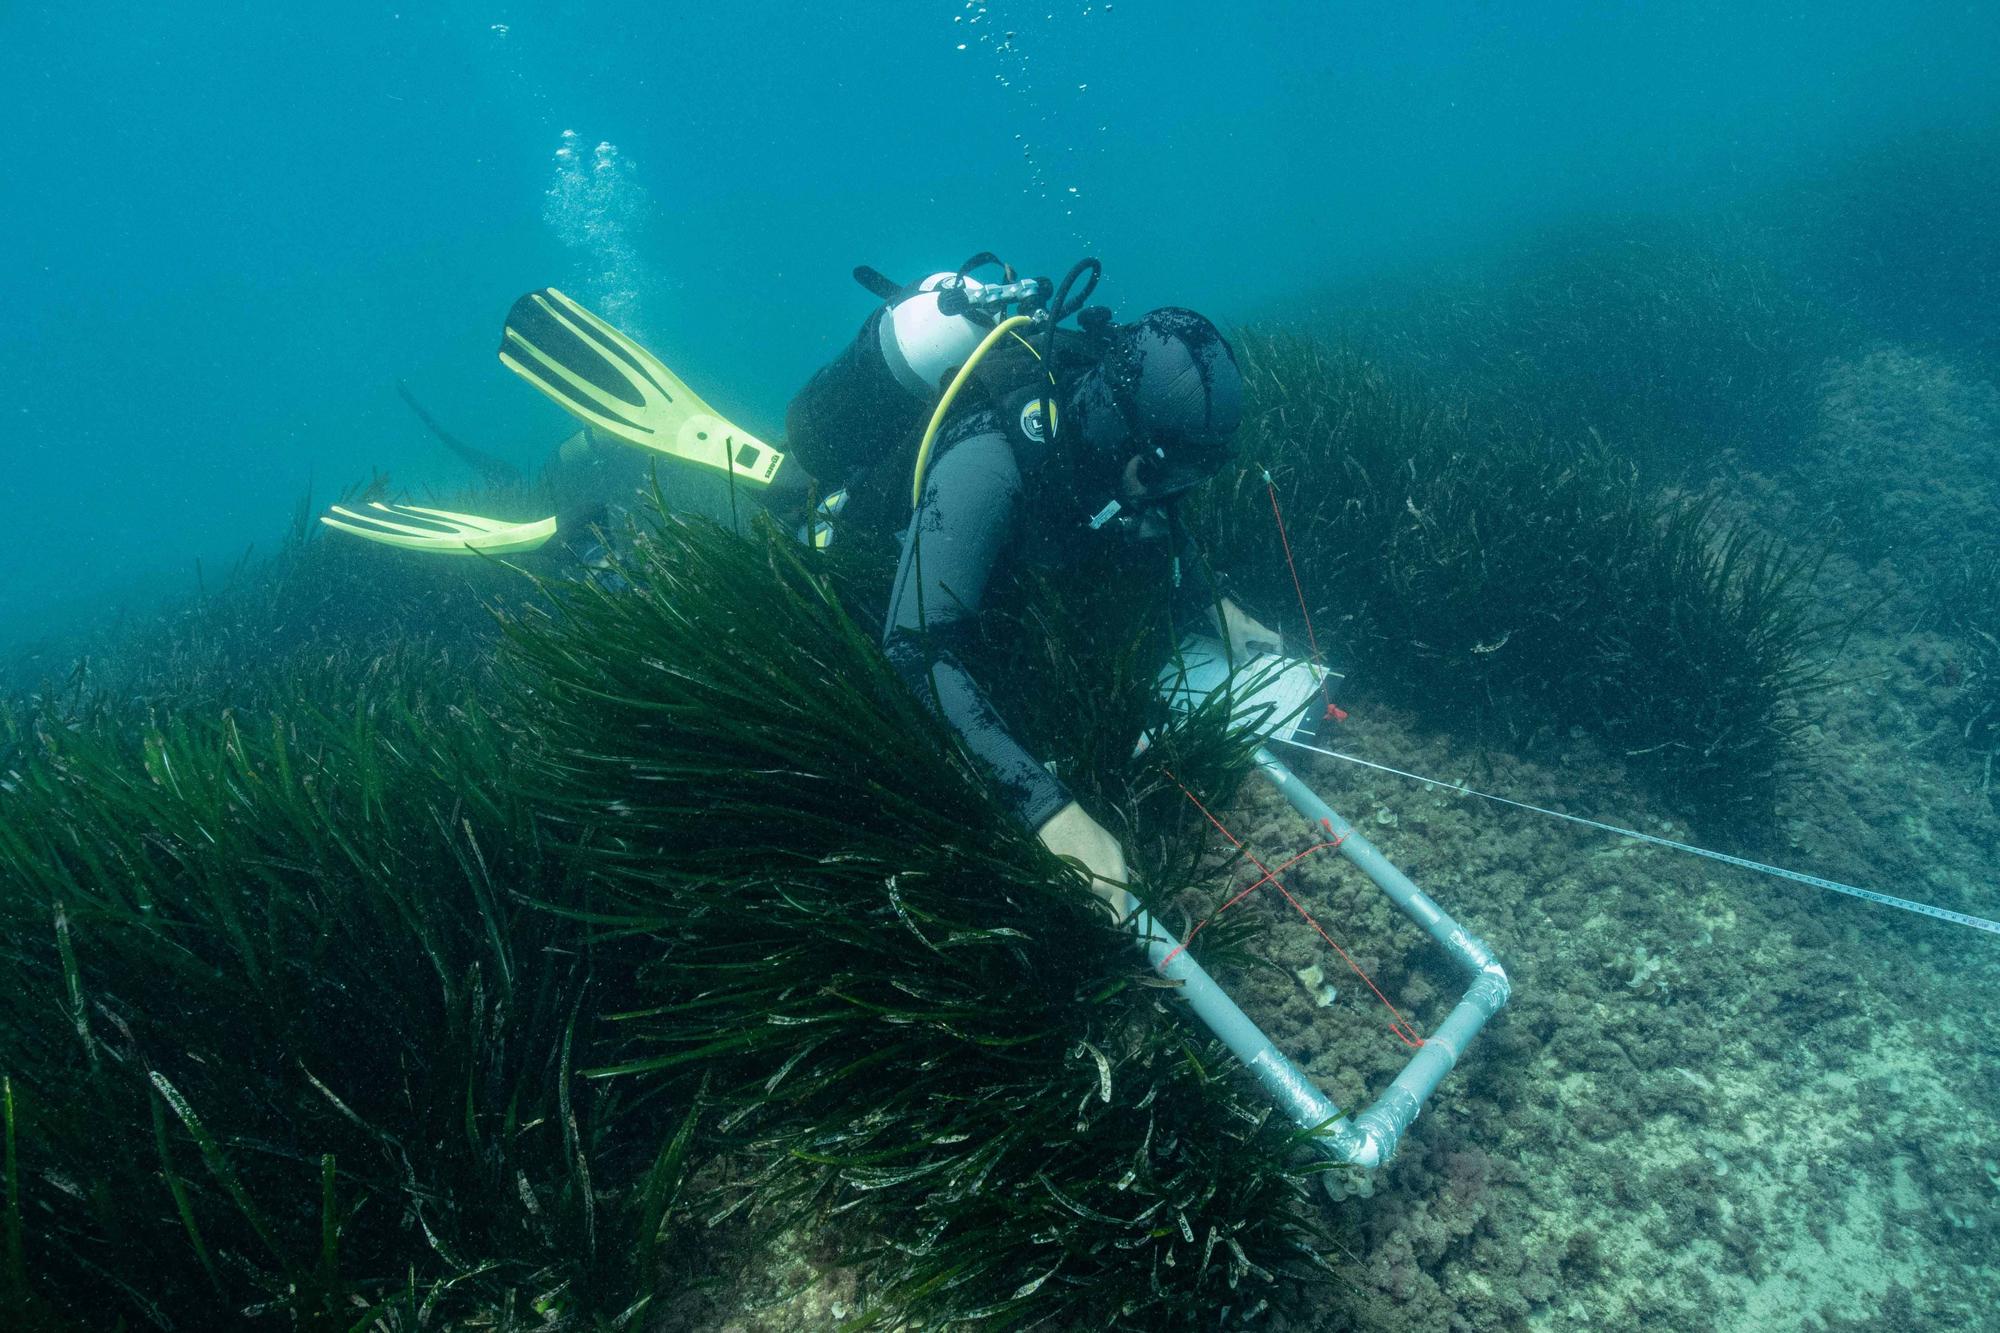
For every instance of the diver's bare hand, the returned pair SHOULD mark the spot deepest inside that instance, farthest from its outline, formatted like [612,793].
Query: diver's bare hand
[1075,837]
[1247,637]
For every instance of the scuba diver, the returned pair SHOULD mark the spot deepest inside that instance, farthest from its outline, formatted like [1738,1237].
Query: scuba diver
[1021,441]
[1041,443]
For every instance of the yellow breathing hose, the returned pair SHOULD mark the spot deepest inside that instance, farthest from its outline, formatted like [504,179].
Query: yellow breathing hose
[1000,330]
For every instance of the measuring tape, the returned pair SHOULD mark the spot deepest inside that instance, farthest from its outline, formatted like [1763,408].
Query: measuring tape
[1799,877]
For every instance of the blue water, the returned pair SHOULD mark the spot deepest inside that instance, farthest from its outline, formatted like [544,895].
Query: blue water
[229,228]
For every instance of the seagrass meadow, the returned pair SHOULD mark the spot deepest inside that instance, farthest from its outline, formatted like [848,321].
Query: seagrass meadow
[394,946]
[468,862]
[407,1005]
[1516,582]
[645,991]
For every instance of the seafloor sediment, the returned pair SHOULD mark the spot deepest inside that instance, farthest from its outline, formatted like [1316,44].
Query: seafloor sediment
[1717,1101]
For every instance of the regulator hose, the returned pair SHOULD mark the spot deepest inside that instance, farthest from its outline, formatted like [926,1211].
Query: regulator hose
[1061,307]
[999,331]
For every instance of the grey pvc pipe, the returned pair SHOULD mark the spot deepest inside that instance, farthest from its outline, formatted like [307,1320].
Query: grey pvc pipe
[1370,1138]
[1288,1085]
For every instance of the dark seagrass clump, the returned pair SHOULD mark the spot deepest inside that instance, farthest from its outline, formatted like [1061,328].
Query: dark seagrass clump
[1689,347]
[286,1043]
[1903,233]
[388,999]
[1522,585]
[905,1024]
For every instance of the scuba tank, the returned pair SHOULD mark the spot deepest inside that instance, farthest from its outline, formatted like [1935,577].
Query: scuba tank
[1164,393]
[870,402]
[871,398]
[927,331]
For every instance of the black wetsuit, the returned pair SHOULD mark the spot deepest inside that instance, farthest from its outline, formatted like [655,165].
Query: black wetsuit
[993,492]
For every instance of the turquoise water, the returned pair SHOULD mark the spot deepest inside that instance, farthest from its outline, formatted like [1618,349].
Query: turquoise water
[231,227]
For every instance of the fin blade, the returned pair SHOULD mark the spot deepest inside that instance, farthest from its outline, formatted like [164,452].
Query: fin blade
[662,412]
[470,521]
[376,523]
[656,370]
[613,391]
[475,536]
[573,393]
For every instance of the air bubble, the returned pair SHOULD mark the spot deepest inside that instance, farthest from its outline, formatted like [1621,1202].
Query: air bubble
[592,212]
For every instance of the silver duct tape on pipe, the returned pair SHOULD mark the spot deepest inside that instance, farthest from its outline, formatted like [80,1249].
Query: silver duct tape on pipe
[1294,1093]
[1370,1138]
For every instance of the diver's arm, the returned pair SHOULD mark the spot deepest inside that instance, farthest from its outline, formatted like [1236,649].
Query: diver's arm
[1198,600]
[955,538]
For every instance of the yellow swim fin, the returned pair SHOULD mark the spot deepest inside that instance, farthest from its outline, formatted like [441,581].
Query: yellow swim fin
[610,383]
[416,528]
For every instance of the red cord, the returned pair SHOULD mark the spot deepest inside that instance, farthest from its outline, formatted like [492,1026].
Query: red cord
[1400,1026]
[1333,710]
[1267,878]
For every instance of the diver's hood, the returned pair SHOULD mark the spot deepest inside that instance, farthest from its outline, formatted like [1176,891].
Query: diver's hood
[1168,391]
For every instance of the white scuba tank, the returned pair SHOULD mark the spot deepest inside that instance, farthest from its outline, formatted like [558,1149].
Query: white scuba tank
[921,343]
